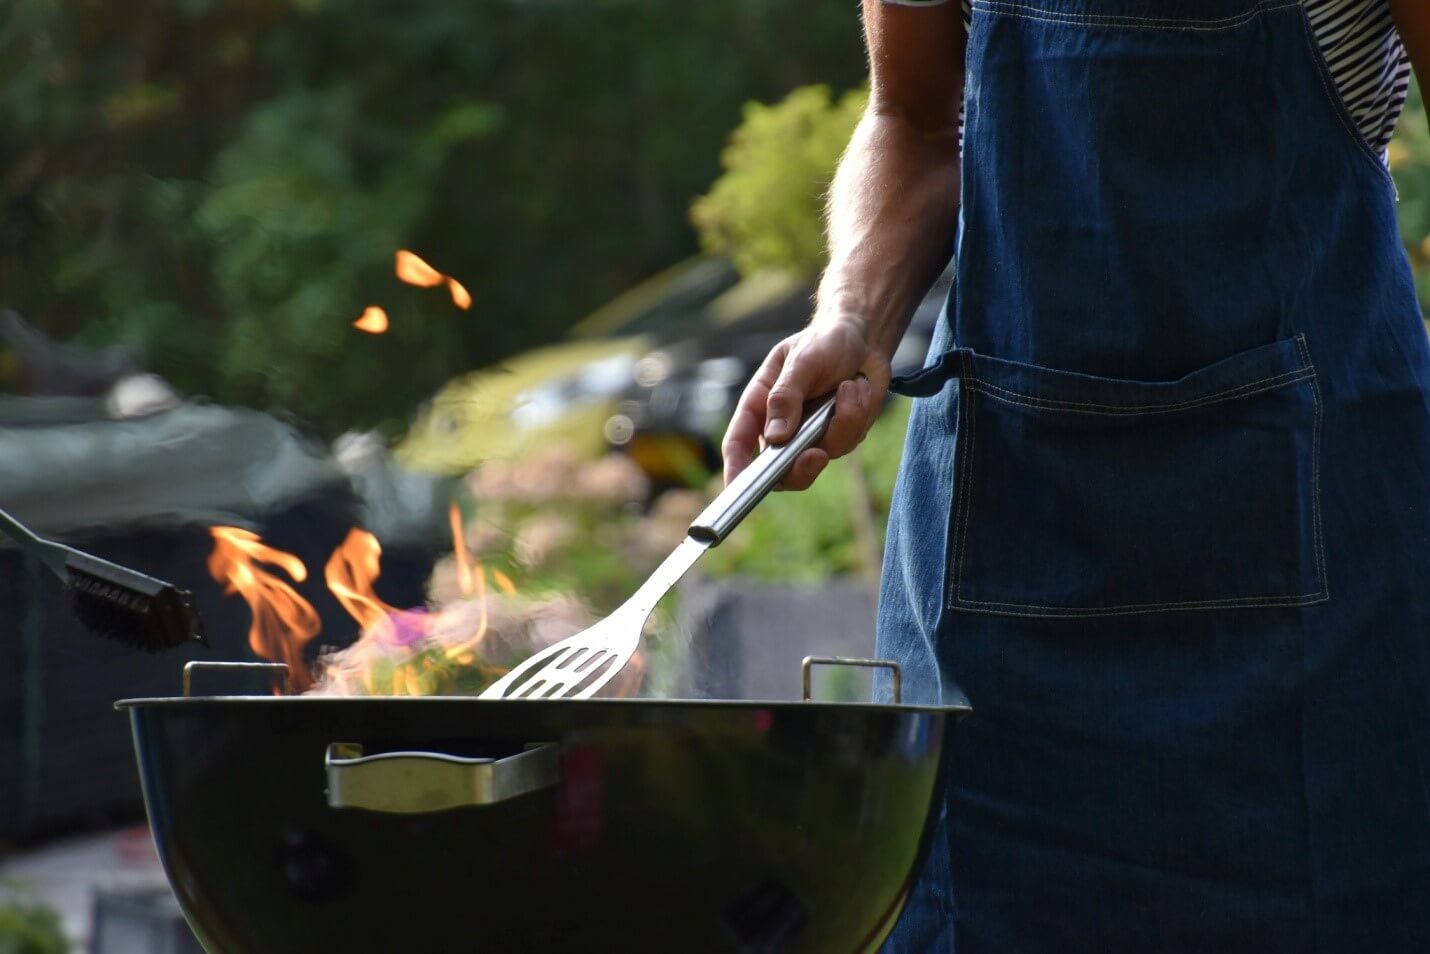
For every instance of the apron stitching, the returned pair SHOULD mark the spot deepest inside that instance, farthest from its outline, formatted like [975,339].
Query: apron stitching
[1124,609]
[1325,588]
[1250,389]
[1007,8]
[963,490]
[1316,470]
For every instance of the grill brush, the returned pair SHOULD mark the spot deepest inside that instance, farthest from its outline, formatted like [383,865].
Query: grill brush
[114,601]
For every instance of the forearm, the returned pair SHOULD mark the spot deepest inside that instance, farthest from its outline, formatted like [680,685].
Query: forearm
[892,218]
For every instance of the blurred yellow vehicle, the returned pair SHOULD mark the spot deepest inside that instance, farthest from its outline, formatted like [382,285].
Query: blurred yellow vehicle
[565,392]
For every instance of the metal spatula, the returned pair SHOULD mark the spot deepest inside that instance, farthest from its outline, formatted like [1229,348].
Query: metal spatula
[577,667]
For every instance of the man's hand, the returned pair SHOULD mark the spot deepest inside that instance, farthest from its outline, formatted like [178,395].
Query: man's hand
[893,213]
[825,356]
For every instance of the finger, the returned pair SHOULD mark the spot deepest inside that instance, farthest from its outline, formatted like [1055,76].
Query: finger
[857,403]
[797,382]
[879,374]
[806,468]
[742,437]
[851,417]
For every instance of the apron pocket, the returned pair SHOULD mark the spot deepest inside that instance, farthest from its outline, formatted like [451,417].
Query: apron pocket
[1087,496]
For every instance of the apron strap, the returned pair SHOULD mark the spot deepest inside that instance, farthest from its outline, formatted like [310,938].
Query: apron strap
[929,380]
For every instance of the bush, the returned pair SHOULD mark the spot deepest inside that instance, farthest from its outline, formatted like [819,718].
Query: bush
[28,926]
[767,210]
[1410,163]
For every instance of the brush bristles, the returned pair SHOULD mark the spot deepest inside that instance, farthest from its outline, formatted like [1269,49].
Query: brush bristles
[134,609]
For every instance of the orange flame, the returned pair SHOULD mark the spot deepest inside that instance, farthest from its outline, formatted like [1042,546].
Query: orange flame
[462,652]
[459,550]
[283,621]
[628,683]
[503,582]
[350,573]
[414,271]
[373,320]
[460,296]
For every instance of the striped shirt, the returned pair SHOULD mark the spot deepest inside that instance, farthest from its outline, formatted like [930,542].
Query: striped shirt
[1362,51]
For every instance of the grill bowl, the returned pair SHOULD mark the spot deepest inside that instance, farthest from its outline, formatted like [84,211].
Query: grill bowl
[685,826]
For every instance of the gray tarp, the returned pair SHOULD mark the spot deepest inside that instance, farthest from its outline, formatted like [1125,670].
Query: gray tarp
[66,469]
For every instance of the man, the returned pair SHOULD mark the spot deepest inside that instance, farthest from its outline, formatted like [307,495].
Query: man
[1164,511]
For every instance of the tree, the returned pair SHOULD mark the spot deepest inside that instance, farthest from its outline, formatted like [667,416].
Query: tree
[224,182]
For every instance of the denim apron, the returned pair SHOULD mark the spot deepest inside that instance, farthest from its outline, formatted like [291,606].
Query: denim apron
[1163,516]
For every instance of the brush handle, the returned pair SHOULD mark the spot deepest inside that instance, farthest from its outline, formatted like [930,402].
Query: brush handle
[51,554]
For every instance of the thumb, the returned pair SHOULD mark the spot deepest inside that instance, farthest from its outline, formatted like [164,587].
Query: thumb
[785,406]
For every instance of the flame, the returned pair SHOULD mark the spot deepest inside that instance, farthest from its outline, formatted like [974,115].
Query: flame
[411,269]
[503,582]
[408,652]
[628,683]
[283,621]
[414,271]
[373,320]
[462,652]
[459,550]
[460,296]
[467,580]
[350,573]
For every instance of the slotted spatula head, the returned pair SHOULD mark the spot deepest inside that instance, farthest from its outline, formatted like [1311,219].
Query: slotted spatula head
[575,668]
[580,666]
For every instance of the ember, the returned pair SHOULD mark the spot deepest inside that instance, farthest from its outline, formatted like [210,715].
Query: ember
[460,296]
[410,268]
[373,320]
[414,271]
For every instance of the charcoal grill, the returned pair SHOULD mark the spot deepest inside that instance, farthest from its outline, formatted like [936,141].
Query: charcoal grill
[313,824]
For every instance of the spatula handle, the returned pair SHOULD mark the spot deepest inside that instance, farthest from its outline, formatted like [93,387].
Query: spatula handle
[764,474]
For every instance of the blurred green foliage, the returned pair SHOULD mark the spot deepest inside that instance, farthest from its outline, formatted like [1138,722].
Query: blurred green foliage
[766,210]
[1410,164]
[224,182]
[27,926]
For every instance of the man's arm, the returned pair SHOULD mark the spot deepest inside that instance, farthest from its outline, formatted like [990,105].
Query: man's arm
[895,195]
[892,216]
[1412,19]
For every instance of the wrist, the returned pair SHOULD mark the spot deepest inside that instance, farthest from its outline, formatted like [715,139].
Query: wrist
[857,318]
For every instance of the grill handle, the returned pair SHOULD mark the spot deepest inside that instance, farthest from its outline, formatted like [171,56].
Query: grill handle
[204,665]
[755,482]
[807,666]
[416,783]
